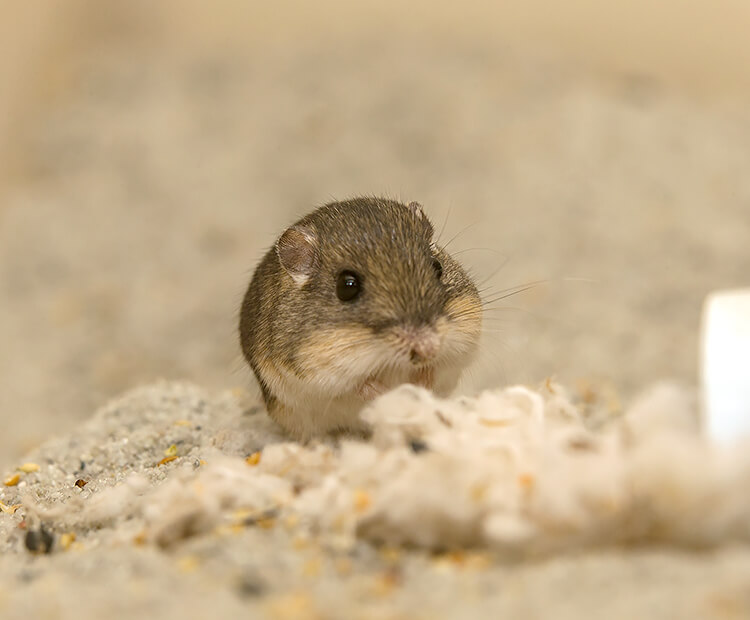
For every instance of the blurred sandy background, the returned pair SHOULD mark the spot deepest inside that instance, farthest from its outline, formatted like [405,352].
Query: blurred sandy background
[149,152]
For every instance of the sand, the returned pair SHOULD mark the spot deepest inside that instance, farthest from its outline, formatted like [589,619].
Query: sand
[180,503]
[154,181]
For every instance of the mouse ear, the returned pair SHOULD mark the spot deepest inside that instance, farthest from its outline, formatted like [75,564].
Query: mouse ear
[297,252]
[418,212]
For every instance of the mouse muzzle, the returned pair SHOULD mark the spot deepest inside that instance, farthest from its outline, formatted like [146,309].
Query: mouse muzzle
[419,344]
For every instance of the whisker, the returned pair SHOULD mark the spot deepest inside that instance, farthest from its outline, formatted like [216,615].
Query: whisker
[545,281]
[517,286]
[442,229]
[493,250]
[491,359]
[460,232]
[522,289]
[496,271]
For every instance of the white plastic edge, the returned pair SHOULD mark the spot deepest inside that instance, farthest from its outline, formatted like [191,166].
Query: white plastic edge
[725,364]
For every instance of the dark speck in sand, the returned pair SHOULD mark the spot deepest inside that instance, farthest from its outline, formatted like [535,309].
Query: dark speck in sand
[39,541]
[250,586]
[417,446]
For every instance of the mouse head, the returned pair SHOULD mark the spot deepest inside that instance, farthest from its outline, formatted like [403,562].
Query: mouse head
[375,286]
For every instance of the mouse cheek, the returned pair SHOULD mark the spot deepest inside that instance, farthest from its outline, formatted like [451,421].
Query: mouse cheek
[337,360]
[464,323]
[465,310]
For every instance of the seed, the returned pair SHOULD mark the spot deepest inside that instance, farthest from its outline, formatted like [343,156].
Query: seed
[361,500]
[12,480]
[526,481]
[67,539]
[9,509]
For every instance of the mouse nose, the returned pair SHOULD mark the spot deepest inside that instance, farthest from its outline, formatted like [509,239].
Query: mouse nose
[422,351]
[422,343]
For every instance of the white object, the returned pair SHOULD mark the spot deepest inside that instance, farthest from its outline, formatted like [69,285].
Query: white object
[726,364]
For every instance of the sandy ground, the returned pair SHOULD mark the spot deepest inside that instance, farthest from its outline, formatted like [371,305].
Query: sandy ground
[158,175]
[293,532]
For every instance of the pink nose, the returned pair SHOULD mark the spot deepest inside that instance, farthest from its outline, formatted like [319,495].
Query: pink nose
[422,343]
[422,351]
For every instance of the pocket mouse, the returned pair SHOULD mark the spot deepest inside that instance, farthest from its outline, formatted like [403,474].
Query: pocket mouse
[353,300]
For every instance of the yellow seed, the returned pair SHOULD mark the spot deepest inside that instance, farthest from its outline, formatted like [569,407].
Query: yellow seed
[202,462]
[140,539]
[243,514]
[266,524]
[478,560]
[361,500]
[292,606]
[526,481]
[29,468]
[9,509]
[12,480]
[171,451]
[457,557]
[386,583]
[253,459]
[442,565]
[183,423]
[166,459]
[223,530]
[311,568]
[493,423]
[343,566]
[478,492]
[238,392]
[66,540]
[188,563]
[390,554]
[291,521]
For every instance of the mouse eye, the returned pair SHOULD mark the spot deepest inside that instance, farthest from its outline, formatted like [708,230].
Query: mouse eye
[438,267]
[348,286]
